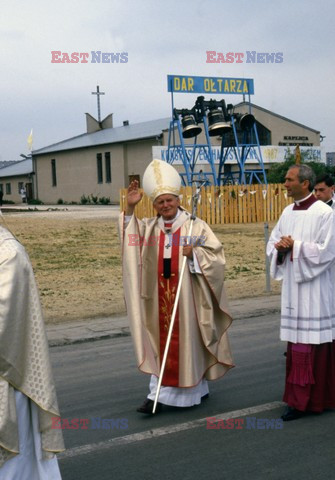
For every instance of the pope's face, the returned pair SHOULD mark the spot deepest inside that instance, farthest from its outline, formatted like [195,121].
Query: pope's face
[323,192]
[167,205]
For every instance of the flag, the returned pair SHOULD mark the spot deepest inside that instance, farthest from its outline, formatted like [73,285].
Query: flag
[30,140]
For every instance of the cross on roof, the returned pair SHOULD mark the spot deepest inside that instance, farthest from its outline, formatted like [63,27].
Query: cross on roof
[98,93]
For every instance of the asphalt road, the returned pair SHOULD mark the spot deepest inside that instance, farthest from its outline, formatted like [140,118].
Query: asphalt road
[98,382]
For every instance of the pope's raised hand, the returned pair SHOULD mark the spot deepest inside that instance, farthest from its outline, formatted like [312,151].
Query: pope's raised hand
[134,196]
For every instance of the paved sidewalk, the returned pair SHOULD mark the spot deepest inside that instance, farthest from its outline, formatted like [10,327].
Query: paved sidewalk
[110,212]
[117,326]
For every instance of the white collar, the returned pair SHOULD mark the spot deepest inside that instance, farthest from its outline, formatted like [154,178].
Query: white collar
[173,219]
[297,202]
[177,222]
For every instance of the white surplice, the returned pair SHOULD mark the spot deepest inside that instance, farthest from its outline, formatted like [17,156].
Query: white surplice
[308,272]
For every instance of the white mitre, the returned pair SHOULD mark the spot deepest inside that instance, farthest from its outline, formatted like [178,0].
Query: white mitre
[159,178]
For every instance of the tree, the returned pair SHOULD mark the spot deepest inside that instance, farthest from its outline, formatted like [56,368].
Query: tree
[277,171]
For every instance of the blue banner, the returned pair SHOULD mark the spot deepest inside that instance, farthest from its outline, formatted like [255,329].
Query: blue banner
[190,84]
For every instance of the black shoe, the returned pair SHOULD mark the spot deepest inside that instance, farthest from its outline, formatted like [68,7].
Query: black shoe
[204,397]
[291,414]
[148,405]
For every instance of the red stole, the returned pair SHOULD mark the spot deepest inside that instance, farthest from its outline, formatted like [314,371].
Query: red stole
[167,288]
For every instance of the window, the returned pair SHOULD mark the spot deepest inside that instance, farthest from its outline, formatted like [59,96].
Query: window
[99,168]
[1,187]
[8,189]
[108,167]
[20,186]
[53,173]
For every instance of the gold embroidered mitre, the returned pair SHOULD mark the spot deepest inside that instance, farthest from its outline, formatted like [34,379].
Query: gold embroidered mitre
[159,178]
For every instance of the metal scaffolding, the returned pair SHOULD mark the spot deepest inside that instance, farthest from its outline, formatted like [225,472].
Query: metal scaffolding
[239,144]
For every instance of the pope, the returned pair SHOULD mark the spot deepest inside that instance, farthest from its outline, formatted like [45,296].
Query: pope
[199,348]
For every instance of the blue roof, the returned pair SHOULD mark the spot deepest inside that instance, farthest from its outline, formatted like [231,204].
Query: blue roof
[22,167]
[6,163]
[106,136]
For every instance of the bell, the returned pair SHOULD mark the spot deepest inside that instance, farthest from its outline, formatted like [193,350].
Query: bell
[190,128]
[217,124]
[246,121]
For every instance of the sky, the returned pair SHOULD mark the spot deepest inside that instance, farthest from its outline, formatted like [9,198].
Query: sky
[159,38]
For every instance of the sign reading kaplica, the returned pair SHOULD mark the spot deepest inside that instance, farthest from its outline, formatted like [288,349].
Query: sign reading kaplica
[88,57]
[185,83]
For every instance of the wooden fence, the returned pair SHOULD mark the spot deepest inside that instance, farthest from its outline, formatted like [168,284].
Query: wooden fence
[227,204]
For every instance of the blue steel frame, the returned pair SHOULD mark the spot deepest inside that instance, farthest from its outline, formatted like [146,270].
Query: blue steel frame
[189,155]
[242,152]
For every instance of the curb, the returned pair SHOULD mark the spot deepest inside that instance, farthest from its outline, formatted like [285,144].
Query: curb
[83,333]
[61,342]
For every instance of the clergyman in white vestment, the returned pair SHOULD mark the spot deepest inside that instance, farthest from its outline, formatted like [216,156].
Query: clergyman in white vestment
[302,252]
